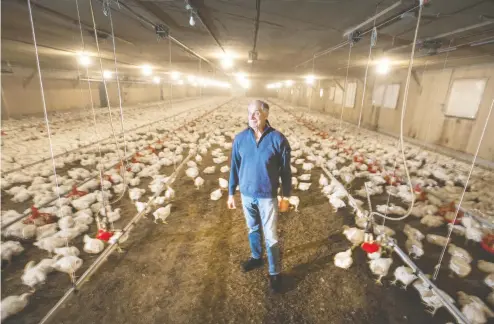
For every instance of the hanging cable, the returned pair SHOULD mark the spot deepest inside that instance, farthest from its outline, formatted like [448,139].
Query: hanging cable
[311,86]
[123,167]
[45,112]
[373,41]
[99,166]
[346,83]
[438,266]
[106,94]
[402,120]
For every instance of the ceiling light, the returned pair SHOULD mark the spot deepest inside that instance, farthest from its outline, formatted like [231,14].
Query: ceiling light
[240,75]
[146,69]
[250,61]
[321,93]
[107,74]
[180,82]
[156,80]
[192,21]
[309,79]
[191,78]
[382,66]
[245,83]
[227,62]
[175,75]
[289,83]
[83,59]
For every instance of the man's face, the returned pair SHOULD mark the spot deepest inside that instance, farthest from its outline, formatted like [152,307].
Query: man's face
[257,117]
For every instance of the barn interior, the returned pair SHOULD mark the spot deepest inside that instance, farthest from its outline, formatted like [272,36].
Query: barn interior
[118,123]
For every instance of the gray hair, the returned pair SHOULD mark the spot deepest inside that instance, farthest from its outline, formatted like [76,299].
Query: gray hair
[260,104]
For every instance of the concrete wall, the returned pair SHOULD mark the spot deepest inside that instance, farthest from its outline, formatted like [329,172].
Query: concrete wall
[22,96]
[425,120]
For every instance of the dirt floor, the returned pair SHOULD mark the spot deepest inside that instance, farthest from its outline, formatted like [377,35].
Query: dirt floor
[188,271]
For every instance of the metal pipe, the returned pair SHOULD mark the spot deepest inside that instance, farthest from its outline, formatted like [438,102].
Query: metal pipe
[457,314]
[256,24]
[27,212]
[381,25]
[453,32]
[113,245]
[199,15]
[371,19]
[173,39]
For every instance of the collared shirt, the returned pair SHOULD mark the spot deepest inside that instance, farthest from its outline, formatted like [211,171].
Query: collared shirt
[257,166]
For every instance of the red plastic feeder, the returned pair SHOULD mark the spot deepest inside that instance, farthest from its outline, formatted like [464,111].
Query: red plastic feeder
[458,218]
[104,235]
[488,243]
[370,247]
[76,193]
[48,218]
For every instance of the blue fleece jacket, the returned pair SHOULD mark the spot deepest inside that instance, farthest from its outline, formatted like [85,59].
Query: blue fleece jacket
[256,167]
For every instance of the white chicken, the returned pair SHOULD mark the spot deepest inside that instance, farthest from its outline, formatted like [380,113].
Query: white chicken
[20,231]
[380,267]
[343,259]
[93,246]
[50,243]
[437,239]
[35,274]
[294,201]
[304,177]
[456,251]
[192,172]
[169,194]
[354,235]
[136,193]
[336,202]
[198,182]
[12,305]
[485,266]
[210,170]
[162,213]
[304,186]
[216,195]
[68,264]
[223,183]
[404,275]
[391,209]
[10,249]
[413,233]
[66,251]
[459,266]
[225,169]
[432,221]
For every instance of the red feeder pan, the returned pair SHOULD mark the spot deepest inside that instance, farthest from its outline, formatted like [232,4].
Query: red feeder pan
[488,243]
[104,235]
[370,247]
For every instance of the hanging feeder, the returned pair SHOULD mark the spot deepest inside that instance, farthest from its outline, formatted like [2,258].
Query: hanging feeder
[76,193]
[488,243]
[104,235]
[35,214]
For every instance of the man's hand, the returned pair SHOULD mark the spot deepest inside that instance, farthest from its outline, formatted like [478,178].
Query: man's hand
[231,203]
[284,205]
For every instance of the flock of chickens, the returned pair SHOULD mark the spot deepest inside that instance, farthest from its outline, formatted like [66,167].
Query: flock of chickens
[87,196]
[359,157]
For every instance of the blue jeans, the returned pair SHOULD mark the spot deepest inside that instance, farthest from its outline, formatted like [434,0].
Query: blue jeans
[263,211]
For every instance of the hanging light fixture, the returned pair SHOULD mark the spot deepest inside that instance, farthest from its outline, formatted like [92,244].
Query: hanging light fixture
[146,70]
[83,58]
[310,79]
[156,80]
[383,66]
[107,74]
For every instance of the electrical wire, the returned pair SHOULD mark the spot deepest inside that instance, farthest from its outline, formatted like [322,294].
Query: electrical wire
[402,120]
[438,266]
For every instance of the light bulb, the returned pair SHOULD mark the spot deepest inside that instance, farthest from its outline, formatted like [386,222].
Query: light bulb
[107,74]
[288,83]
[192,21]
[146,69]
[156,79]
[227,62]
[309,79]
[83,59]
[175,75]
[383,66]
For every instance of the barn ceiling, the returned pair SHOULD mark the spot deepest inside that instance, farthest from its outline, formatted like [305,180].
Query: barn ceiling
[290,32]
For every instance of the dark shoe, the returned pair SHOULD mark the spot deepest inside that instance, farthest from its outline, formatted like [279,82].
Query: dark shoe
[275,283]
[252,264]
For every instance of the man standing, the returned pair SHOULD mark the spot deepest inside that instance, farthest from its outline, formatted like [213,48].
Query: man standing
[260,157]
